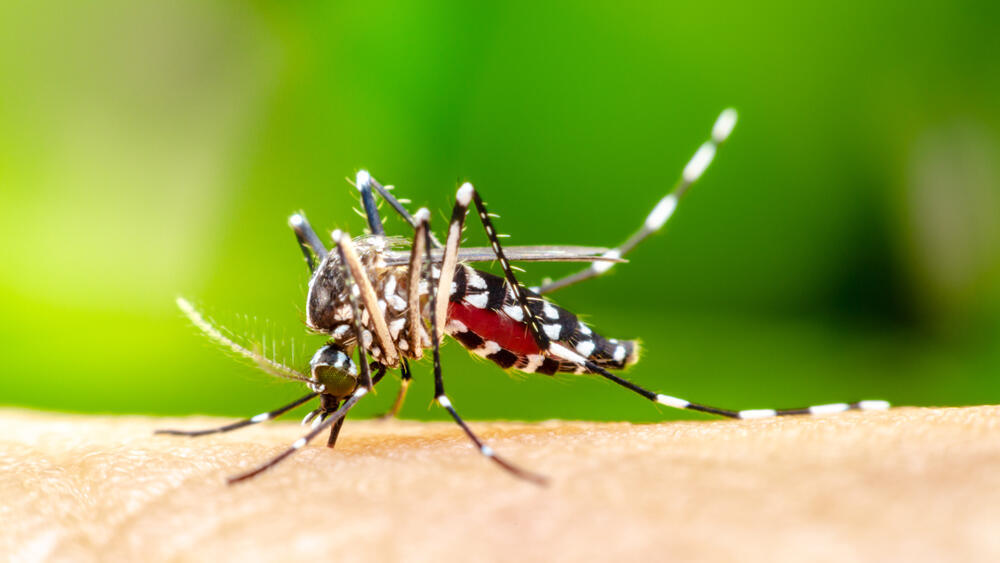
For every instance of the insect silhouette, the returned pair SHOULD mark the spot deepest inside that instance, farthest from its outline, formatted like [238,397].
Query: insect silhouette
[382,301]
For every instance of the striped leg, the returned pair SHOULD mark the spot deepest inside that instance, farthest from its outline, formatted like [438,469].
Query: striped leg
[467,193]
[663,210]
[567,354]
[262,417]
[312,247]
[463,198]
[334,418]
[439,394]
[364,178]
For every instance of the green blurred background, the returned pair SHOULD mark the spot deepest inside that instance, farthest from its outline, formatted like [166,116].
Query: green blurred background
[845,244]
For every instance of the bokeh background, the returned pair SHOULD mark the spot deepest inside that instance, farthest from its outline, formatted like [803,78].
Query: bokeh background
[845,244]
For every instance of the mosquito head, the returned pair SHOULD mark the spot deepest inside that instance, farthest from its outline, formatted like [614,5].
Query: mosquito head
[334,370]
[326,305]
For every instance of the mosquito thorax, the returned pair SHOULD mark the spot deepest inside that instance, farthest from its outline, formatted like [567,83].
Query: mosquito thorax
[328,304]
[333,369]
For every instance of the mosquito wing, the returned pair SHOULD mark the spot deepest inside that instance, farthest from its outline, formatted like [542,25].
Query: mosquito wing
[516,253]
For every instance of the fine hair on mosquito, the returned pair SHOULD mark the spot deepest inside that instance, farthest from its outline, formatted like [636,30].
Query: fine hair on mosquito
[382,306]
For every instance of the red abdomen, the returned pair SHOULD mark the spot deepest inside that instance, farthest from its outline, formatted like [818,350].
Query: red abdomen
[492,326]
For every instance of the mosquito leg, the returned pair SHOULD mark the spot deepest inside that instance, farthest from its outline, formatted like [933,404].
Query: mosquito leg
[380,373]
[465,196]
[364,185]
[317,430]
[547,335]
[355,274]
[560,351]
[413,308]
[439,393]
[396,205]
[413,311]
[404,384]
[310,244]
[262,417]
[663,209]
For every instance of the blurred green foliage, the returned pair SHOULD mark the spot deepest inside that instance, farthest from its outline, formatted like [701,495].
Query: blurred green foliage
[845,244]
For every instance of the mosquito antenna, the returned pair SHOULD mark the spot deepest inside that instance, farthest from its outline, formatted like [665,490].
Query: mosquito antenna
[267,364]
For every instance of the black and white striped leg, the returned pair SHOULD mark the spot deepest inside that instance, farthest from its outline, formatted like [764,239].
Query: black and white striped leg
[545,343]
[262,417]
[677,403]
[463,198]
[310,244]
[439,393]
[404,385]
[664,208]
[396,204]
[332,419]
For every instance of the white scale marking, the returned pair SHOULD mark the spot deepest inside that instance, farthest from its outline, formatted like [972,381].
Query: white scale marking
[488,347]
[757,413]
[473,279]
[601,267]
[396,326]
[262,417]
[464,194]
[699,162]
[514,312]
[565,353]
[552,331]
[477,300]
[672,401]
[662,212]
[550,311]
[397,302]
[584,329]
[443,401]
[455,326]
[534,362]
[585,347]
[298,443]
[619,354]
[873,405]
[724,125]
[829,409]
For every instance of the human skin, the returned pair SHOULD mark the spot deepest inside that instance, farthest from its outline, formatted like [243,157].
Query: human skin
[907,484]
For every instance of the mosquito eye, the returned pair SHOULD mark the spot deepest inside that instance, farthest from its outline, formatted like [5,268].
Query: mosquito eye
[335,381]
[334,370]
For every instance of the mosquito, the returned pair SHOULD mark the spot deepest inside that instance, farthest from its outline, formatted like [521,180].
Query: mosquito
[388,302]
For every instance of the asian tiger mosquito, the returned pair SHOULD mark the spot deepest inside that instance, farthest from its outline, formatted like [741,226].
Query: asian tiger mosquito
[368,291]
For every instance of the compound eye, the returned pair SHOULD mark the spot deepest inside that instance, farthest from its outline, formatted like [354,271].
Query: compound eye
[333,369]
